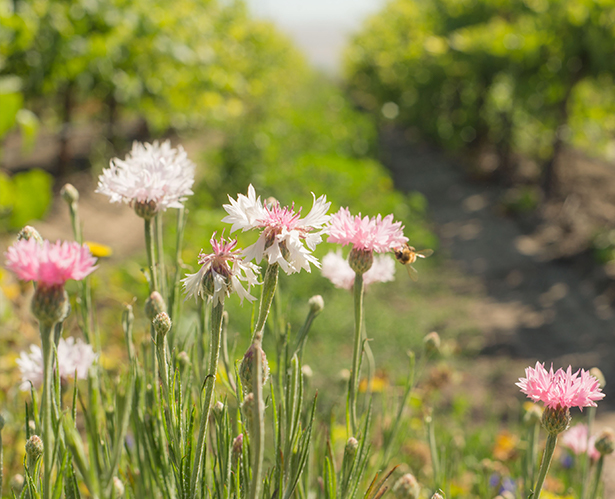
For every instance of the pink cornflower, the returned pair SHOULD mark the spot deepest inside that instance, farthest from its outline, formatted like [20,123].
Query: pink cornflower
[576,440]
[337,269]
[49,264]
[371,234]
[561,389]
[283,231]
[221,273]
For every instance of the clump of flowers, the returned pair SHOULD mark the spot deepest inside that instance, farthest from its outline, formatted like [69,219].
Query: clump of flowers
[337,269]
[283,231]
[74,359]
[222,273]
[152,178]
[367,235]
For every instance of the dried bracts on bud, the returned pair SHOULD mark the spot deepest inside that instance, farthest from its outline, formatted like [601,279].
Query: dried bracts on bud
[154,305]
[605,442]
[162,324]
[222,272]
[557,420]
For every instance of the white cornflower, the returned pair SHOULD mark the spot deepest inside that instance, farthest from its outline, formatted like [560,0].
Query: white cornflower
[337,269]
[74,357]
[222,273]
[283,234]
[156,175]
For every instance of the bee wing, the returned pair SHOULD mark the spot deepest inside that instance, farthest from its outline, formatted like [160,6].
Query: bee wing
[414,275]
[424,253]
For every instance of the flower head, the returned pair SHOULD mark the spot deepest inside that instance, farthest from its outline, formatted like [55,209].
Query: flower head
[221,273]
[337,269]
[74,357]
[283,230]
[576,439]
[49,264]
[372,234]
[155,174]
[560,389]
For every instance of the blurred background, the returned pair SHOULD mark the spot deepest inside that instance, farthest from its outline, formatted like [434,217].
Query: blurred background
[486,126]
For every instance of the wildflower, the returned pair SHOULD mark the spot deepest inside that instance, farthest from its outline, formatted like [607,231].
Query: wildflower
[283,231]
[605,442]
[74,358]
[221,273]
[560,389]
[575,439]
[246,367]
[152,178]
[49,264]
[407,487]
[337,269]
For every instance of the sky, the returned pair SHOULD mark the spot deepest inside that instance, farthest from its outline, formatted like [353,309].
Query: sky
[319,27]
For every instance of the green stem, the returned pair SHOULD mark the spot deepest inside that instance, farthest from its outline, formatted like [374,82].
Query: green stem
[48,436]
[149,247]
[598,475]
[357,352]
[433,450]
[160,255]
[269,286]
[534,433]
[217,311]
[585,475]
[546,464]
[257,439]
[174,299]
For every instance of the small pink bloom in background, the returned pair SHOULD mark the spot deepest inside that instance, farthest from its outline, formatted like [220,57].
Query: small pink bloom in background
[563,389]
[576,440]
[283,230]
[49,264]
[150,172]
[73,357]
[372,234]
[222,272]
[337,269]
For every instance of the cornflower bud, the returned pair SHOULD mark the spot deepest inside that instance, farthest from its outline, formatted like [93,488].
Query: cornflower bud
[28,233]
[360,260]
[352,444]
[407,487]
[247,411]
[237,448]
[431,343]
[218,409]
[183,359]
[118,487]
[17,482]
[317,304]
[437,495]
[605,442]
[34,450]
[69,193]
[50,304]
[597,373]
[533,414]
[246,369]
[162,324]
[145,209]
[557,420]
[154,305]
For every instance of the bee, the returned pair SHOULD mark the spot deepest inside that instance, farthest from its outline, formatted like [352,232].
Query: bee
[407,255]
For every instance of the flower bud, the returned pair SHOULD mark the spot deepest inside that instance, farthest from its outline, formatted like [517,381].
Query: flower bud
[597,373]
[154,305]
[437,495]
[360,260]
[246,369]
[145,209]
[28,233]
[183,359]
[69,193]
[307,371]
[118,487]
[237,448]
[247,411]
[162,325]
[17,482]
[533,414]
[352,444]
[555,421]
[431,343]
[407,487]
[50,304]
[218,409]
[317,304]
[34,450]
[605,442]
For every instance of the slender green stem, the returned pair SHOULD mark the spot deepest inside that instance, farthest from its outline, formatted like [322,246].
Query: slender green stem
[533,437]
[48,436]
[257,439]
[546,464]
[217,311]
[174,299]
[160,255]
[269,286]
[597,477]
[151,258]
[585,475]
[433,450]
[353,386]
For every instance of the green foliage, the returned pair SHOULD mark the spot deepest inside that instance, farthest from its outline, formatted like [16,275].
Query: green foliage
[24,197]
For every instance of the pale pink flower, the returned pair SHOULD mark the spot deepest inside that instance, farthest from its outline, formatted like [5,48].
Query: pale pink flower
[560,389]
[576,440]
[283,230]
[372,234]
[74,357]
[337,269]
[155,173]
[222,272]
[49,264]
